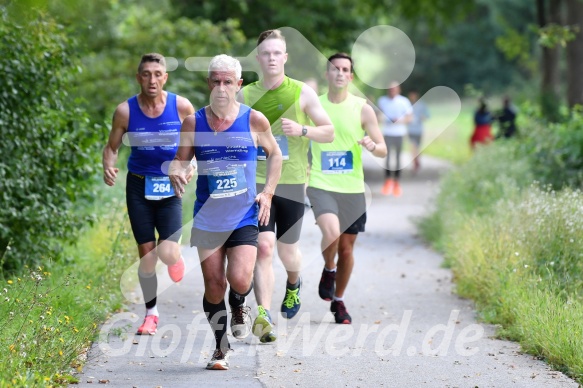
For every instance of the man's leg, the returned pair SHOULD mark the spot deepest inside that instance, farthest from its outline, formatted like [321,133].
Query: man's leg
[149,285]
[345,265]
[398,143]
[264,277]
[352,218]
[291,258]
[240,265]
[263,282]
[345,262]
[330,227]
[212,263]
[169,225]
[289,218]
[388,185]
[141,213]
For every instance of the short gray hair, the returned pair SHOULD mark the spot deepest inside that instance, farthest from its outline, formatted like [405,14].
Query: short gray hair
[224,62]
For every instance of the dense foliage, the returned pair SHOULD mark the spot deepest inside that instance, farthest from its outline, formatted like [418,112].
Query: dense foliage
[49,148]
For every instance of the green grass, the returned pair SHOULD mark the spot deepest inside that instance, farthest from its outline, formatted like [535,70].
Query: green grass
[445,140]
[50,314]
[515,248]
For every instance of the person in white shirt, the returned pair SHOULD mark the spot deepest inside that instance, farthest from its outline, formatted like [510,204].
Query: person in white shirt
[415,127]
[397,112]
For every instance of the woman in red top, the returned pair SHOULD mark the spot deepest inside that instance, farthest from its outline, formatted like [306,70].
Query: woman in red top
[483,125]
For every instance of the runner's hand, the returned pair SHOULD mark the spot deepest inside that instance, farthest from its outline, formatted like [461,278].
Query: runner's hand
[264,201]
[177,175]
[367,143]
[109,175]
[290,127]
[190,172]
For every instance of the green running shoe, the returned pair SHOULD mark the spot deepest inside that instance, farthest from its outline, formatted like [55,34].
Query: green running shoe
[263,326]
[291,303]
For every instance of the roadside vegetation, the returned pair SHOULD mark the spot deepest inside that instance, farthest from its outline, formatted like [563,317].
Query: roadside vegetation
[509,222]
[51,313]
[506,220]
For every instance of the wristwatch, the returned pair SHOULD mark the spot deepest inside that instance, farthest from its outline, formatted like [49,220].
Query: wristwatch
[304,130]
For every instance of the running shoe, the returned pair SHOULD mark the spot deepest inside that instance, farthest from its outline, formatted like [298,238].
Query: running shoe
[340,313]
[388,187]
[220,360]
[397,189]
[240,321]
[149,326]
[263,326]
[326,286]
[291,302]
[176,271]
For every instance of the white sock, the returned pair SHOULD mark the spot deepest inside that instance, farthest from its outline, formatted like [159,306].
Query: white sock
[329,270]
[153,311]
[337,299]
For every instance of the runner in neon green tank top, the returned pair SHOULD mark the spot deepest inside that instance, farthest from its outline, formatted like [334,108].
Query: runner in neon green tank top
[336,188]
[288,105]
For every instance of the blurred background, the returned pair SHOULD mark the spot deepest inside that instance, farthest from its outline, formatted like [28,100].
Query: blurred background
[66,65]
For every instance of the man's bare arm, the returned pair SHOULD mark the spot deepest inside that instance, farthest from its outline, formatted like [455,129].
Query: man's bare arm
[261,128]
[180,167]
[374,142]
[119,127]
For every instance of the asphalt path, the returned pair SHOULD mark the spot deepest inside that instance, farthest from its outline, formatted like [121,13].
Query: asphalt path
[409,327]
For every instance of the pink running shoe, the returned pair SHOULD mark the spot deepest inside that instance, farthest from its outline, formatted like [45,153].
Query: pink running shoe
[176,271]
[149,326]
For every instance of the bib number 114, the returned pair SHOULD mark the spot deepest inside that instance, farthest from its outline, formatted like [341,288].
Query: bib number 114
[337,162]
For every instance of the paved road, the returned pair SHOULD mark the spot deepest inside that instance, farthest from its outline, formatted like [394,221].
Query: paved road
[409,329]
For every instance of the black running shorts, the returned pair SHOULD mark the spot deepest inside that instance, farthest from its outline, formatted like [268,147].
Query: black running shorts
[287,212]
[148,216]
[246,235]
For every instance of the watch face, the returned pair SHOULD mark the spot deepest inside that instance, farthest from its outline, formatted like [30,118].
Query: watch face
[304,131]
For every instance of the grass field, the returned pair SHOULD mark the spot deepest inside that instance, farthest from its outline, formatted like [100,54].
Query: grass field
[446,139]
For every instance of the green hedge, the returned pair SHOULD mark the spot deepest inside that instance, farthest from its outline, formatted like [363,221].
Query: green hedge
[49,147]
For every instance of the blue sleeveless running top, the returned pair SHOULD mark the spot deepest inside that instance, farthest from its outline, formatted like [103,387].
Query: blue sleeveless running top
[225,187]
[153,141]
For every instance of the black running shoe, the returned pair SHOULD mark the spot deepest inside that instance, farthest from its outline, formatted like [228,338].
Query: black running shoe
[340,313]
[326,286]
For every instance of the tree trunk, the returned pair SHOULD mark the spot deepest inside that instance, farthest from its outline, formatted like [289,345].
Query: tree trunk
[550,100]
[575,54]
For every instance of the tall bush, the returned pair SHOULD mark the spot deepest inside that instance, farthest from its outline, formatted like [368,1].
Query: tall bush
[49,148]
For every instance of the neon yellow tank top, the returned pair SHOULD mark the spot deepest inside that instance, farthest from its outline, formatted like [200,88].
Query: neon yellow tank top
[276,104]
[337,166]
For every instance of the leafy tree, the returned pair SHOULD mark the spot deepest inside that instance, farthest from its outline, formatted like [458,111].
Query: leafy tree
[115,34]
[49,146]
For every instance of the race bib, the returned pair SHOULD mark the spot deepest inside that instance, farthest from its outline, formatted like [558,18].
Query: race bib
[337,162]
[281,142]
[158,187]
[227,183]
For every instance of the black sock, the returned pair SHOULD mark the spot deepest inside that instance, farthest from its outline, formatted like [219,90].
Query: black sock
[217,317]
[149,284]
[236,299]
[293,286]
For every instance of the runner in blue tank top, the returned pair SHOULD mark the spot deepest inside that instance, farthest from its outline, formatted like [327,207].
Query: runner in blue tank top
[224,137]
[151,122]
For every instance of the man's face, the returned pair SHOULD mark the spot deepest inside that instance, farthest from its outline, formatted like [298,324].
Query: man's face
[272,57]
[224,86]
[338,73]
[152,78]
[413,96]
[394,89]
